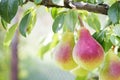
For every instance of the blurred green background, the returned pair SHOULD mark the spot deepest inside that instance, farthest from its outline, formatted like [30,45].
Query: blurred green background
[31,67]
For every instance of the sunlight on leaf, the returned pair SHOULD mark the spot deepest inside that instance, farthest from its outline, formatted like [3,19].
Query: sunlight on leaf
[58,23]
[4,23]
[27,22]
[54,12]
[94,22]
[114,40]
[45,47]
[71,18]
[58,2]
[9,35]
[117,30]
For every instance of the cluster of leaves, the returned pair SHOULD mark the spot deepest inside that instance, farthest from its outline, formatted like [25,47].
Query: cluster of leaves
[64,19]
[107,36]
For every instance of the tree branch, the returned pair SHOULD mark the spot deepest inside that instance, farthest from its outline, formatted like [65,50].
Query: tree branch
[96,8]
[102,9]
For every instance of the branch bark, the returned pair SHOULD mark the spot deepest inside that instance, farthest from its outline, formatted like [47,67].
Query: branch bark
[92,7]
[96,8]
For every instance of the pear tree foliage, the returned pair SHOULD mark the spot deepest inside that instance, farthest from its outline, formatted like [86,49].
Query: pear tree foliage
[65,15]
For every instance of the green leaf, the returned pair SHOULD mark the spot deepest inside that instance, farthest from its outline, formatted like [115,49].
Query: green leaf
[54,12]
[58,23]
[117,30]
[118,54]
[99,36]
[43,49]
[100,1]
[20,2]
[106,45]
[91,1]
[9,35]
[24,24]
[55,40]
[103,40]
[8,9]
[71,18]
[27,22]
[32,22]
[109,22]
[114,12]
[4,23]
[37,1]
[114,40]
[94,22]
[58,2]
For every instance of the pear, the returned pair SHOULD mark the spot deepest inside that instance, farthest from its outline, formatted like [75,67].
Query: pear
[63,52]
[79,71]
[87,52]
[111,68]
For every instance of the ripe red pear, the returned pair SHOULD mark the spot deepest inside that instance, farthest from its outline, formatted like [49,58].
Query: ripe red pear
[63,52]
[111,68]
[87,52]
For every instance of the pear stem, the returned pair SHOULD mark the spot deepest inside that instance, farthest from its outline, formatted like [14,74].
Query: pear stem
[113,47]
[81,22]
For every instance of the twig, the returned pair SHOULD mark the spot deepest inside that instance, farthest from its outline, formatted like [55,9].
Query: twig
[96,8]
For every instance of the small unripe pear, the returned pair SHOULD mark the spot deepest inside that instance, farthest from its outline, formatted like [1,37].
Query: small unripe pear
[63,52]
[87,51]
[79,71]
[111,67]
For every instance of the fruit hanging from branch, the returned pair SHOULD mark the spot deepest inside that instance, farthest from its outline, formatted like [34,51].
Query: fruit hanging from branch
[87,52]
[111,67]
[63,52]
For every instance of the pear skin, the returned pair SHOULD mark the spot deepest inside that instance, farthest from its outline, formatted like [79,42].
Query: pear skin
[87,52]
[111,67]
[63,52]
[79,71]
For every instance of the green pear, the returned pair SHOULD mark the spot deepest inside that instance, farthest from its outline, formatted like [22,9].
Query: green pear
[79,71]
